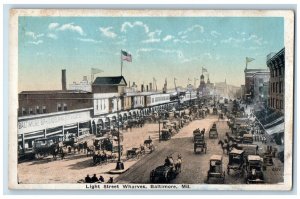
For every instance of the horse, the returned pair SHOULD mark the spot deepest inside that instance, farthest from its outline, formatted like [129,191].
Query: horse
[147,142]
[224,146]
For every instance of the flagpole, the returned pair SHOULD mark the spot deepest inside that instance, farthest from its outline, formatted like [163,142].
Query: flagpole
[121,63]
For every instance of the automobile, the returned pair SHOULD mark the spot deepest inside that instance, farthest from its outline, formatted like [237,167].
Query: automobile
[236,160]
[213,133]
[254,170]
[216,168]
[247,138]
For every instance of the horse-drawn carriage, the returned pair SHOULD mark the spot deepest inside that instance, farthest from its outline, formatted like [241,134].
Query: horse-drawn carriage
[221,116]
[165,134]
[254,170]
[46,146]
[215,111]
[199,142]
[236,160]
[213,132]
[216,168]
[135,152]
[167,172]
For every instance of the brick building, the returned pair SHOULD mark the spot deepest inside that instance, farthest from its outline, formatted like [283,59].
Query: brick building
[276,65]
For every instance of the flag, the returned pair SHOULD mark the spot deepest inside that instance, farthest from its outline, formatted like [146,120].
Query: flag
[96,70]
[204,70]
[249,59]
[126,56]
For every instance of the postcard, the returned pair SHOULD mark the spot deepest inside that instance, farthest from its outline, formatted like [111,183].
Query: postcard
[151,99]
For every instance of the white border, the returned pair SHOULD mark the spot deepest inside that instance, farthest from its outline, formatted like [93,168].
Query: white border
[13,76]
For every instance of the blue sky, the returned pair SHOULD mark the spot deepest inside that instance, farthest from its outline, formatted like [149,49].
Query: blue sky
[161,47]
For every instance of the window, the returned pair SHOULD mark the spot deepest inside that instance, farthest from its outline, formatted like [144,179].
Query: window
[65,107]
[280,71]
[273,87]
[24,111]
[44,109]
[276,87]
[59,107]
[37,110]
[30,111]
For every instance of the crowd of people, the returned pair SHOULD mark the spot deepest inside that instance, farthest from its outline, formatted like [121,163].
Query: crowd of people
[94,179]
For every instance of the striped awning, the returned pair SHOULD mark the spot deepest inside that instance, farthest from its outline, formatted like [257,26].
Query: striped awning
[275,129]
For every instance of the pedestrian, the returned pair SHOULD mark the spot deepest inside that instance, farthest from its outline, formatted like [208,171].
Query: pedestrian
[111,180]
[88,179]
[94,179]
[101,179]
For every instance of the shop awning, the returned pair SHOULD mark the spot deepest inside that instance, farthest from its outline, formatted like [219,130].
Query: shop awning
[276,129]
[274,122]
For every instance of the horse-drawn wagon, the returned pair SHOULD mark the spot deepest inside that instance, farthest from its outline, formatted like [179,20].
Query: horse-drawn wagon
[167,172]
[135,152]
[216,168]
[46,146]
[165,134]
[247,138]
[199,142]
[215,111]
[236,160]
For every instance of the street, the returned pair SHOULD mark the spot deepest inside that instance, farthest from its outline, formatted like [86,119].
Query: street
[194,166]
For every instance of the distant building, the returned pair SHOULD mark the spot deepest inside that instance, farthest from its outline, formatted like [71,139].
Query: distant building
[276,65]
[84,85]
[249,82]
[115,84]
[42,102]
[221,89]
[261,87]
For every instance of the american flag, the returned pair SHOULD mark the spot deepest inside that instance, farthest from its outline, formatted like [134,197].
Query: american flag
[126,56]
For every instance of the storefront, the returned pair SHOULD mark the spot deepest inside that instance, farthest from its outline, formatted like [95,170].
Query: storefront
[48,125]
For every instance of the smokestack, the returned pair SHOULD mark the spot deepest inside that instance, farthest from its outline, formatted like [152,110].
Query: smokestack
[147,88]
[150,86]
[64,80]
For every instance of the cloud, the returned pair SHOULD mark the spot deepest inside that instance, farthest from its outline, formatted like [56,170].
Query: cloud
[107,32]
[71,27]
[33,35]
[127,24]
[53,26]
[36,42]
[215,33]
[189,42]
[153,37]
[231,40]
[190,29]
[178,53]
[52,36]
[89,40]
[168,37]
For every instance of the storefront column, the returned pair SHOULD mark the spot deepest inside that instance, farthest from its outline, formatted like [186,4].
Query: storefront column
[77,129]
[96,128]
[63,131]
[23,142]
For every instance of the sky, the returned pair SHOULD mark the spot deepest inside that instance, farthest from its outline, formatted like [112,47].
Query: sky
[161,47]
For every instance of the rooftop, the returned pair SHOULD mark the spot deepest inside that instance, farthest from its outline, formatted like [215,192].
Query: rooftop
[53,91]
[116,80]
